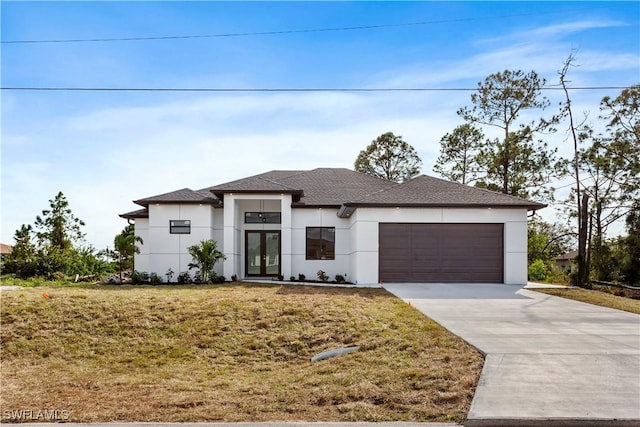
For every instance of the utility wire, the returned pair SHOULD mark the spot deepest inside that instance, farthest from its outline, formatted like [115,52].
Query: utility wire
[313,30]
[177,89]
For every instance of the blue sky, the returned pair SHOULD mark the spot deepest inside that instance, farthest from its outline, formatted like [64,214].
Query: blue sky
[104,149]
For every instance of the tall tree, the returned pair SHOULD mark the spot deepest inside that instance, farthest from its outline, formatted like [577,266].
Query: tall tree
[578,133]
[58,227]
[205,255]
[623,132]
[389,157]
[612,162]
[631,263]
[515,162]
[22,261]
[459,154]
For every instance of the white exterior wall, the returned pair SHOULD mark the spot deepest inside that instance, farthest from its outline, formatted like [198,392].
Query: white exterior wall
[365,222]
[141,260]
[169,251]
[303,218]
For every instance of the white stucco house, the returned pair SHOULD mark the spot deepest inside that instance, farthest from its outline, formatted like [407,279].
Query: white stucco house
[342,222]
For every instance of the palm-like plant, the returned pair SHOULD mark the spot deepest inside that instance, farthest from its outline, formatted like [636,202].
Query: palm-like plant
[125,248]
[205,255]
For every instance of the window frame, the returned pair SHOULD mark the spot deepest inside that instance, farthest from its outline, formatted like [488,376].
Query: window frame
[323,254]
[183,228]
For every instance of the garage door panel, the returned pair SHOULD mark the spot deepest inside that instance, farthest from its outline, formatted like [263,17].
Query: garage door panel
[446,253]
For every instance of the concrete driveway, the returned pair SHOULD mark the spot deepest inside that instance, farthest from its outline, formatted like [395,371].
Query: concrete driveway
[549,360]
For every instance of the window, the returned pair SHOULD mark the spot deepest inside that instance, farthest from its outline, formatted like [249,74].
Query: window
[179,226]
[262,217]
[321,242]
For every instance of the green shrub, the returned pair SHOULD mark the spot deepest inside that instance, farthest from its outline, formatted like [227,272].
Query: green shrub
[155,279]
[184,278]
[215,278]
[139,277]
[538,270]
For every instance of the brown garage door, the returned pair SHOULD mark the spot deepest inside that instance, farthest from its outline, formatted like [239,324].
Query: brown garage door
[449,253]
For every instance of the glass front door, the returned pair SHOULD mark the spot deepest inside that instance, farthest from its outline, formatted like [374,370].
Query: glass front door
[262,249]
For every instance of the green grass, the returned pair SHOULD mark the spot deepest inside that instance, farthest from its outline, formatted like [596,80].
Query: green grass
[596,297]
[38,282]
[229,353]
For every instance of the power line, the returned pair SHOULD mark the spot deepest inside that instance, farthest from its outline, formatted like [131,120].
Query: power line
[300,31]
[178,89]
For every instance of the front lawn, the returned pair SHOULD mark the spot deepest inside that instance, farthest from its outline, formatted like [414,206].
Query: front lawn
[228,353]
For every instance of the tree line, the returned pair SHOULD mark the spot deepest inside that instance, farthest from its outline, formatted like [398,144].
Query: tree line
[54,247]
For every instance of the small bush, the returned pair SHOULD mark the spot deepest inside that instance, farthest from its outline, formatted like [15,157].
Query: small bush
[184,278]
[139,277]
[155,279]
[322,275]
[292,278]
[340,278]
[538,270]
[302,277]
[197,278]
[234,278]
[217,278]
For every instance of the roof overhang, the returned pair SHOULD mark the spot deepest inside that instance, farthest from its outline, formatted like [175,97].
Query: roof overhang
[148,202]
[219,193]
[347,209]
[140,213]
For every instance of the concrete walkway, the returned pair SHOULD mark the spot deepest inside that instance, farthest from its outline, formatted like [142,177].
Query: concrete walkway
[549,360]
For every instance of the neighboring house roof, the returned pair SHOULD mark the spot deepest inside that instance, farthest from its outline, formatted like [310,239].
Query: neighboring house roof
[567,256]
[347,190]
[5,249]
[185,195]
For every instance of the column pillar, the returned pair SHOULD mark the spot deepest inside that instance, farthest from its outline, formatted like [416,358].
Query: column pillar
[229,233]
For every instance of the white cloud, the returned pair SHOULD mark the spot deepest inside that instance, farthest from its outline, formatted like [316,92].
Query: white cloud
[554,31]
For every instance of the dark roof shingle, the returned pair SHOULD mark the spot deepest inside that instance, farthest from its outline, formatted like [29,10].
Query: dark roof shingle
[185,195]
[429,191]
[140,213]
[336,187]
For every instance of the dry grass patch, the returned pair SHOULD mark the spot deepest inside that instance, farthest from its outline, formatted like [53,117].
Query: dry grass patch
[596,297]
[230,353]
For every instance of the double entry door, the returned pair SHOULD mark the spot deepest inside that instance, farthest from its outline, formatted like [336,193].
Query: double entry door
[262,253]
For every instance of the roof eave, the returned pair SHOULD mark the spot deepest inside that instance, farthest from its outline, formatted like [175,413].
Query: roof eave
[529,207]
[134,216]
[146,203]
[299,205]
[222,192]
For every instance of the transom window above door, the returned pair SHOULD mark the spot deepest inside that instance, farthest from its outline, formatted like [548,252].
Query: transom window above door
[262,217]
